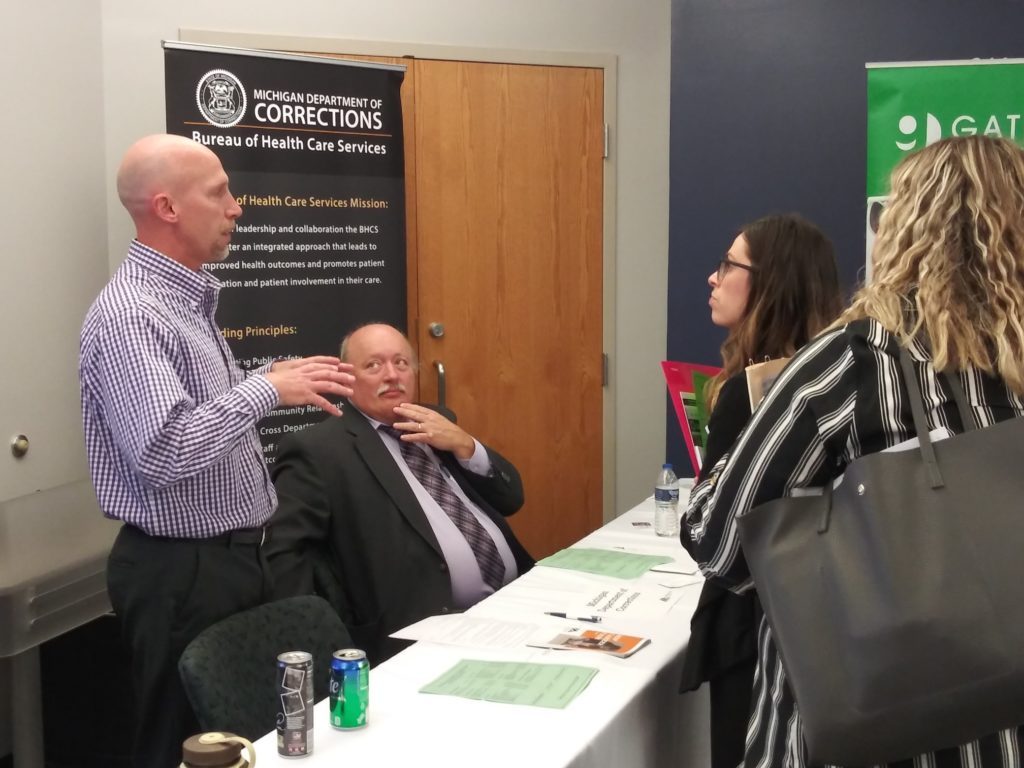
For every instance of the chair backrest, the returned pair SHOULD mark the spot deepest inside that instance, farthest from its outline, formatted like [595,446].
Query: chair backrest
[229,671]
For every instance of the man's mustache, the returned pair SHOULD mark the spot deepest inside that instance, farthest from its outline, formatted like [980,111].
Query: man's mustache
[385,388]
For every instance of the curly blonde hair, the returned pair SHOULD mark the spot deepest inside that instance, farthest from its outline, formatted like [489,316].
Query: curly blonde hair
[949,256]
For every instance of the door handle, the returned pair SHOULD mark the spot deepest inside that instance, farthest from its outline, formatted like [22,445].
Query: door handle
[440,383]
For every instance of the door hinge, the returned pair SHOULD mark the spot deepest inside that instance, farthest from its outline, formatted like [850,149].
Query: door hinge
[604,369]
[607,140]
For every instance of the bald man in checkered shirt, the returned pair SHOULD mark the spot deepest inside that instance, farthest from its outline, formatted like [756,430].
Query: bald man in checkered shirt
[170,433]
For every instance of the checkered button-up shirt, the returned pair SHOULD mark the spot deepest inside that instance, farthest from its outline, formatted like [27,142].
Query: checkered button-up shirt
[169,416]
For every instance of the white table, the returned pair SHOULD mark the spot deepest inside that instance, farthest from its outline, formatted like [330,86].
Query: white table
[631,715]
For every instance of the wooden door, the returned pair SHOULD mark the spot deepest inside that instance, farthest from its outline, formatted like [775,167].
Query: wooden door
[508,191]
[408,95]
[504,190]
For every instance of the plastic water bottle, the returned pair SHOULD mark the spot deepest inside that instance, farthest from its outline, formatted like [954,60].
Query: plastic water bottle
[666,502]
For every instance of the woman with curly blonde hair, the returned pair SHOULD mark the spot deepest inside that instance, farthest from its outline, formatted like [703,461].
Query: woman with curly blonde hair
[950,260]
[948,286]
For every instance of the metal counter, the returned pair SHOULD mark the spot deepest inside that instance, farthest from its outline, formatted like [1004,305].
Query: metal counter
[53,560]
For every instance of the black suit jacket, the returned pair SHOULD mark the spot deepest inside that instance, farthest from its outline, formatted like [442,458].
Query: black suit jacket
[349,527]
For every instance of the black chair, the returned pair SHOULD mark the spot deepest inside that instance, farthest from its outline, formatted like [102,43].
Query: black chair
[229,670]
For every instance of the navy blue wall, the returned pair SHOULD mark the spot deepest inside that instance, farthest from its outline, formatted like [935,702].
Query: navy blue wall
[769,116]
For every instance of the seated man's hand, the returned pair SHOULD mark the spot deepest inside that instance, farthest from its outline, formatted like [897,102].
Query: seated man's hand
[423,425]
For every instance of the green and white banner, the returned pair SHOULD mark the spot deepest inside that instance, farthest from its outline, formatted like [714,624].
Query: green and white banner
[912,105]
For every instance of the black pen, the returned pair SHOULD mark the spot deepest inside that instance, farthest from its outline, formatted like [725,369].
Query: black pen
[561,615]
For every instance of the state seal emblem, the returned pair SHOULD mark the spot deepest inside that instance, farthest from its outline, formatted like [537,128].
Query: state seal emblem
[221,98]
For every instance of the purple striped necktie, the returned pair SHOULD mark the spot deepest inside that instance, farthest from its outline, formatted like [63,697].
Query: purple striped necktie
[492,568]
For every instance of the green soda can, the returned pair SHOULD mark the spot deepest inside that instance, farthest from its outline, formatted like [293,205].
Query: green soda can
[349,689]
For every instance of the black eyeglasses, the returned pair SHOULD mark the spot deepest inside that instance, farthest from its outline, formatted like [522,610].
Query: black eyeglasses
[726,263]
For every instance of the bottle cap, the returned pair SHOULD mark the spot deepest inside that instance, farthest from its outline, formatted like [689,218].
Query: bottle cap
[666,466]
[209,749]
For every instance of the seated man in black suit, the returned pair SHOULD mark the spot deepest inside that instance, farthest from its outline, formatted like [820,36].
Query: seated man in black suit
[391,511]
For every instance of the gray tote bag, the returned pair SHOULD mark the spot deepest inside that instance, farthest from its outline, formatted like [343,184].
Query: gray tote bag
[896,599]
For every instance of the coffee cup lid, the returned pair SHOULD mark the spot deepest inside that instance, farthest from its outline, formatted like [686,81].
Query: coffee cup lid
[208,750]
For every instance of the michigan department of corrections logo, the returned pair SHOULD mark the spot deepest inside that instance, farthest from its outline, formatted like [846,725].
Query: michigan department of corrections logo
[221,98]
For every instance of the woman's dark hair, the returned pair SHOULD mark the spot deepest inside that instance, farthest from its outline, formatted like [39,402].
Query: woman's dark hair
[794,294]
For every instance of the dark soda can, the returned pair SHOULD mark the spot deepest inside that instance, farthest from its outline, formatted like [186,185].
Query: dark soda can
[349,689]
[295,704]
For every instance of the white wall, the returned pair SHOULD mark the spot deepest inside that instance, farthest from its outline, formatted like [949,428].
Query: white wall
[53,220]
[53,250]
[637,32]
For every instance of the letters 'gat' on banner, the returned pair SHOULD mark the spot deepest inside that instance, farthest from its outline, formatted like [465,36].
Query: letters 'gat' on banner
[912,105]
[313,147]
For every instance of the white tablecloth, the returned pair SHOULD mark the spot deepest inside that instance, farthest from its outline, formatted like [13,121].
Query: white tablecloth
[631,715]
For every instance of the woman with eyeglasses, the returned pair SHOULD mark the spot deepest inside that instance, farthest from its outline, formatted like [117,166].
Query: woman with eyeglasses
[774,290]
